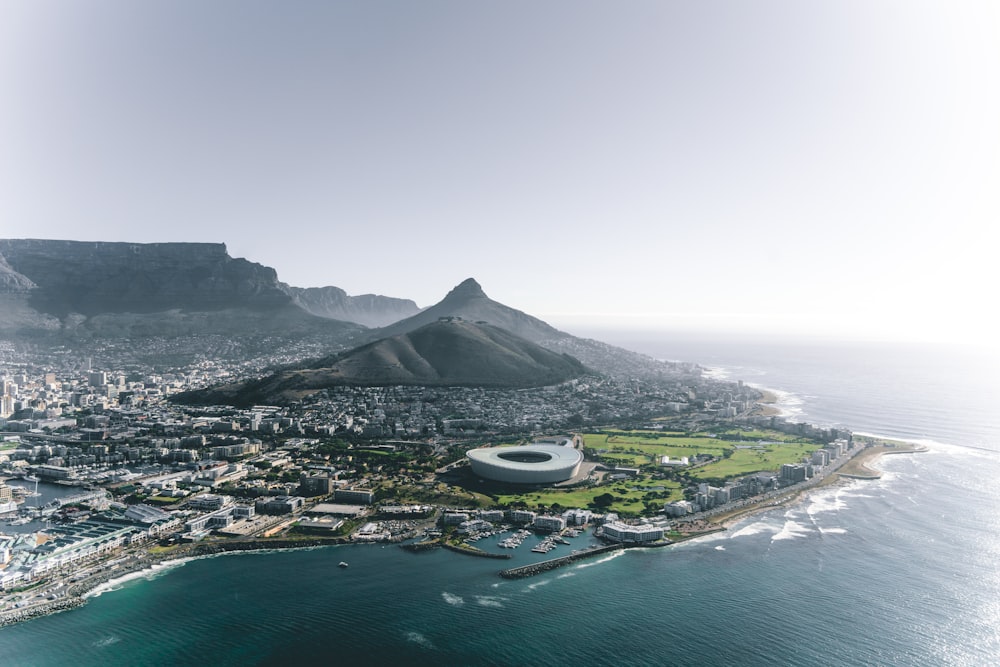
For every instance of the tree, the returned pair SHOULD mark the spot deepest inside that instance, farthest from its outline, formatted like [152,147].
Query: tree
[604,500]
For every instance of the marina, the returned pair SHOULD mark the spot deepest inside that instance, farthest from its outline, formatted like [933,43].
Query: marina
[515,540]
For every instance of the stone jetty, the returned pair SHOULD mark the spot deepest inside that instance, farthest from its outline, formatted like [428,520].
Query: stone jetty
[546,565]
[474,552]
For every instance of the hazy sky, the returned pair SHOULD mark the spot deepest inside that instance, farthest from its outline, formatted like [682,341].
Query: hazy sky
[746,164]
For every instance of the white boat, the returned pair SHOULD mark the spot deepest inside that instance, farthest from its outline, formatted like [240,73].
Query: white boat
[342,564]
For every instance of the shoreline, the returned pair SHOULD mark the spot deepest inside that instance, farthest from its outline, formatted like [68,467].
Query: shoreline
[78,594]
[145,564]
[769,403]
[775,402]
[859,467]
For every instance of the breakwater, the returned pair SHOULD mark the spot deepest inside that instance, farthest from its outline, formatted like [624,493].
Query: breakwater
[417,547]
[210,548]
[546,565]
[475,552]
[17,615]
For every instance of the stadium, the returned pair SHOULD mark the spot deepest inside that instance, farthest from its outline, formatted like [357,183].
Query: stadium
[543,463]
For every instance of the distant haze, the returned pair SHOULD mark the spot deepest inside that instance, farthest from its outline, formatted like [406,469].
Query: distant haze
[817,168]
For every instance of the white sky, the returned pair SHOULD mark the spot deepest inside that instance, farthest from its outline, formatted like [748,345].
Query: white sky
[802,166]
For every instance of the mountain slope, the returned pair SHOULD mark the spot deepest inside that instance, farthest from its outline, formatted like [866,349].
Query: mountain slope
[94,278]
[469,302]
[12,282]
[370,310]
[449,352]
[98,289]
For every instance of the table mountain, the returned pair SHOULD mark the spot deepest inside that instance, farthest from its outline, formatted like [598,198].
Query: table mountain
[94,290]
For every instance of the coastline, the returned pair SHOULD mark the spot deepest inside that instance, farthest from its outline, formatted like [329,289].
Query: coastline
[148,564]
[859,467]
[769,403]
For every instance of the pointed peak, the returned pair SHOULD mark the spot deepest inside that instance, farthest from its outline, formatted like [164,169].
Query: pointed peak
[468,288]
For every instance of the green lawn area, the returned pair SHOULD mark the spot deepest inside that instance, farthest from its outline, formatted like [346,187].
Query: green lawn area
[440,494]
[631,492]
[626,459]
[163,500]
[746,461]
[648,446]
[635,448]
[764,434]
[639,447]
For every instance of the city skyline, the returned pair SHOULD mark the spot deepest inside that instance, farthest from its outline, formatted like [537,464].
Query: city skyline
[809,169]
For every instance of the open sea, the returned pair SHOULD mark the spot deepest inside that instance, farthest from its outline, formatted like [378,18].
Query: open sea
[904,570]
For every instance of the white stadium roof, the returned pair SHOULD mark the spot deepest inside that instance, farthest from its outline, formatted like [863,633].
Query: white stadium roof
[528,464]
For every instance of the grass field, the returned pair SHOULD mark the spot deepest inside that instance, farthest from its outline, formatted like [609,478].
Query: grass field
[440,494]
[630,495]
[163,500]
[641,447]
[746,461]
[767,435]
[770,449]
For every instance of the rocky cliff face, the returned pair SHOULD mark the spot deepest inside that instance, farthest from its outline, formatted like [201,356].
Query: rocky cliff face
[12,282]
[193,294]
[94,278]
[370,310]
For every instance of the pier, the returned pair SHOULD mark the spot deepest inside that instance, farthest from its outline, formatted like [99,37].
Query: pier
[546,565]
[417,547]
[473,552]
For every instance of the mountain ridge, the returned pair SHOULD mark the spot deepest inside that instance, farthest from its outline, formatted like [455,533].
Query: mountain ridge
[96,289]
[370,310]
[70,292]
[448,352]
[468,301]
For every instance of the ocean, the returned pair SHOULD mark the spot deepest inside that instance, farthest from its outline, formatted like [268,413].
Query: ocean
[904,570]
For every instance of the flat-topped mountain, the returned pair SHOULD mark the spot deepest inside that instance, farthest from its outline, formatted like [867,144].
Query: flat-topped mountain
[469,301]
[72,291]
[95,278]
[448,352]
[94,290]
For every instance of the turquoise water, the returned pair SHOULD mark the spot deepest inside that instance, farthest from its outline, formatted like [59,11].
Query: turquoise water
[903,570]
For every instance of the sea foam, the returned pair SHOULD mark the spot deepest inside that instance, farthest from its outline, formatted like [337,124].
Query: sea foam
[790,531]
[452,599]
[419,639]
[489,601]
